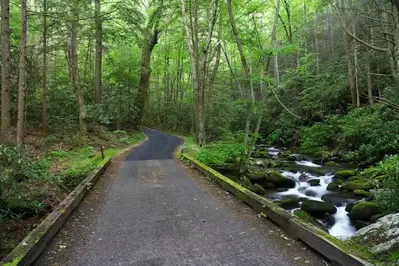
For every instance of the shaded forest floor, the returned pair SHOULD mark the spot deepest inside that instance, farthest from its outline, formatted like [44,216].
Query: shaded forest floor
[36,178]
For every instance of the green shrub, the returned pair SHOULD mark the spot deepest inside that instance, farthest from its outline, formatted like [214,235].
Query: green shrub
[387,196]
[365,135]
[217,154]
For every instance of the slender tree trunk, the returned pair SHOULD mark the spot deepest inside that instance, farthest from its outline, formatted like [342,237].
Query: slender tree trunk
[99,54]
[145,73]
[370,96]
[44,69]
[22,72]
[316,45]
[355,55]
[74,67]
[5,71]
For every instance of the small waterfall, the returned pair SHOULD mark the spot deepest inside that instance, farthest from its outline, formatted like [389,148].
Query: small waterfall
[342,226]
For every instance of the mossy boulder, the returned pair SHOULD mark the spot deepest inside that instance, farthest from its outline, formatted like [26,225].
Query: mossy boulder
[258,189]
[256,176]
[363,211]
[331,164]
[333,187]
[288,204]
[339,198]
[261,154]
[362,193]
[314,182]
[226,168]
[308,218]
[279,180]
[349,207]
[376,217]
[245,182]
[357,185]
[345,174]
[318,209]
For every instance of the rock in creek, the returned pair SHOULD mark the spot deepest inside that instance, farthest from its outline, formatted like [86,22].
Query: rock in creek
[345,174]
[279,180]
[381,237]
[318,209]
[289,203]
[308,218]
[339,199]
[363,211]
[314,182]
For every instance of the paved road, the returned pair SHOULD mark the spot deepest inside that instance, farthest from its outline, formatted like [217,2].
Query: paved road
[151,210]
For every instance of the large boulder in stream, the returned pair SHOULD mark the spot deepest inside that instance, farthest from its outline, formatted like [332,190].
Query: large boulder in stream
[318,209]
[382,237]
[289,203]
[256,176]
[279,180]
[363,211]
[340,198]
[345,174]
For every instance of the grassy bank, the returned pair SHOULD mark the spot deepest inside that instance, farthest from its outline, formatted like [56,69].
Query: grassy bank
[35,178]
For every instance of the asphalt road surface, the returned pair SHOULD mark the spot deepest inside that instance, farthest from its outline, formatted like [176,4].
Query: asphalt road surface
[149,209]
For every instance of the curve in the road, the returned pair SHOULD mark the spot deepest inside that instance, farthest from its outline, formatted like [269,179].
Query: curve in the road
[155,214]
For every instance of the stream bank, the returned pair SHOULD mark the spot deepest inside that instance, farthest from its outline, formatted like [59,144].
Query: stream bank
[326,194]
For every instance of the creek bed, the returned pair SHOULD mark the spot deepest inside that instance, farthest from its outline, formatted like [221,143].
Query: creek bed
[301,169]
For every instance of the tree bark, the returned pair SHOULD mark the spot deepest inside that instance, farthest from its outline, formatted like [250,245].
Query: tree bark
[22,72]
[99,54]
[145,73]
[199,62]
[355,56]
[5,71]
[73,62]
[44,69]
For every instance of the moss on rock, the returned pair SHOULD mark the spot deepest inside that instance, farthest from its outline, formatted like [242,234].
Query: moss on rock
[363,193]
[318,208]
[357,185]
[279,180]
[288,204]
[258,189]
[308,218]
[345,174]
[363,211]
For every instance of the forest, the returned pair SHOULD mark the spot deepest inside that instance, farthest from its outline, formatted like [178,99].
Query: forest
[252,85]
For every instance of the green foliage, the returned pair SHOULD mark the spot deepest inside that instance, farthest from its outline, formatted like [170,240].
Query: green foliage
[216,154]
[388,195]
[365,135]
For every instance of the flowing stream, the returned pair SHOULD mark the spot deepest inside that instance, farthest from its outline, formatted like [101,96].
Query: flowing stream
[342,226]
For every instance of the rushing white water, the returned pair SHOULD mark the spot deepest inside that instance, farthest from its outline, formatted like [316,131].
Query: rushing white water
[342,227]
[307,163]
[273,151]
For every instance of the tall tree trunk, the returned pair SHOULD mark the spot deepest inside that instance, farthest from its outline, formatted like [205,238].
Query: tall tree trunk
[348,51]
[316,45]
[355,55]
[5,71]
[246,68]
[199,62]
[74,67]
[44,69]
[145,73]
[22,72]
[99,54]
